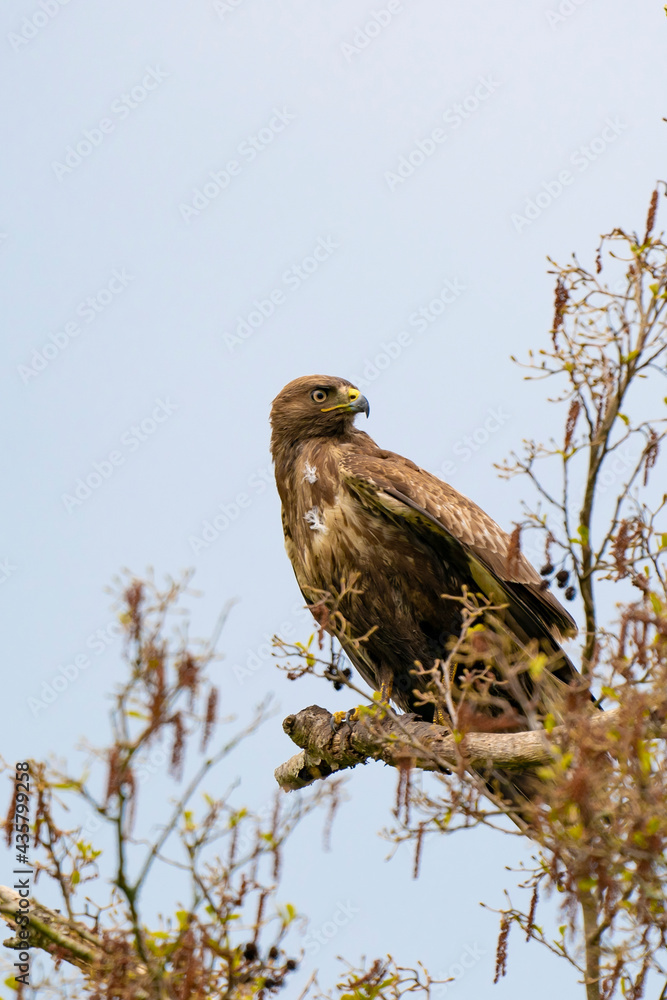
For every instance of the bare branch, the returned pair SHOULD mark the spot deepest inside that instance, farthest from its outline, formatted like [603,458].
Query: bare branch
[327,749]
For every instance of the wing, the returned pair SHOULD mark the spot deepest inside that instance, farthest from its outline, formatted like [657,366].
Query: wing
[396,488]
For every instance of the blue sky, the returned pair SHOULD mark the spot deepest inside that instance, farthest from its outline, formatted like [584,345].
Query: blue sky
[201,202]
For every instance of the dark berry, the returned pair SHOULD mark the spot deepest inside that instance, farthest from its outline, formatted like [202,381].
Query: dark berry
[547,569]
[337,685]
[347,673]
[562,576]
[570,594]
[250,952]
[273,954]
[290,964]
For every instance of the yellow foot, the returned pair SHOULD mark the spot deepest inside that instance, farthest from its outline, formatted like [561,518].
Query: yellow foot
[340,718]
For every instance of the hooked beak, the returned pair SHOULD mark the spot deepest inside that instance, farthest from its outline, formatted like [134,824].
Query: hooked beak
[360,405]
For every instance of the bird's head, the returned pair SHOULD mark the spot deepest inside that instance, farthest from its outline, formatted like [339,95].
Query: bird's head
[315,406]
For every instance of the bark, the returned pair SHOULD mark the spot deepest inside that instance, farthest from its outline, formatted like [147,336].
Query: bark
[63,939]
[589,911]
[328,748]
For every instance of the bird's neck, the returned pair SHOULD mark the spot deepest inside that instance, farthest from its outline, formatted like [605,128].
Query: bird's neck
[291,455]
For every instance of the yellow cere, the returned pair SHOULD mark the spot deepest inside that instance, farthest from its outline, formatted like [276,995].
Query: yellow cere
[352,395]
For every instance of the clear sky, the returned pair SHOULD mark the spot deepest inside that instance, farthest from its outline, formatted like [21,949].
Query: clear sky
[201,201]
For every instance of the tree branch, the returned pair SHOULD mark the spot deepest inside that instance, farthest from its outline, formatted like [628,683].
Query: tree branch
[327,748]
[60,937]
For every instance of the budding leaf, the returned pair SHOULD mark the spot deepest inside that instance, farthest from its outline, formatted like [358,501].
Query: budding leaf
[537,666]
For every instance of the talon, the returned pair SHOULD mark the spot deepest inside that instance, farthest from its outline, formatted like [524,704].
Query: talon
[340,718]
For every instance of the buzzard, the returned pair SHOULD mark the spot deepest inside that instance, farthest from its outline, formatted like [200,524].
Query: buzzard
[382,551]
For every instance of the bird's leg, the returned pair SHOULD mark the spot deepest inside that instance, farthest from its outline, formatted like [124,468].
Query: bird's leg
[441,718]
[386,690]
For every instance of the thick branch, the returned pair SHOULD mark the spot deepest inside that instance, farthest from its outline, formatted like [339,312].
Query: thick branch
[62,938]
[327,748]
[589,911]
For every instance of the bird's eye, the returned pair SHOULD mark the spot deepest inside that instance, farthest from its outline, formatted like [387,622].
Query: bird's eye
[319,395]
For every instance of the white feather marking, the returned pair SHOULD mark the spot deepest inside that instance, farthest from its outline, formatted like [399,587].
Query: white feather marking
[314,518]
[310,473]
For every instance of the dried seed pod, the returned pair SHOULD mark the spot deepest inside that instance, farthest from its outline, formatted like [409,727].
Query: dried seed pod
[562,576]
[547,569]
[570,594]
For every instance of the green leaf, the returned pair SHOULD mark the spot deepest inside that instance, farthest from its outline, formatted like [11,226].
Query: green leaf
[626,420]
[288,913]
[582,531]
[76,878]
[237,817]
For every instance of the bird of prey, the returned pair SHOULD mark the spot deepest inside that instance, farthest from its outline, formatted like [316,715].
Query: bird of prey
[382,550]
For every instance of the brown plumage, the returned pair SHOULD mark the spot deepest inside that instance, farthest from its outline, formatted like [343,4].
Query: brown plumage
[356,514]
